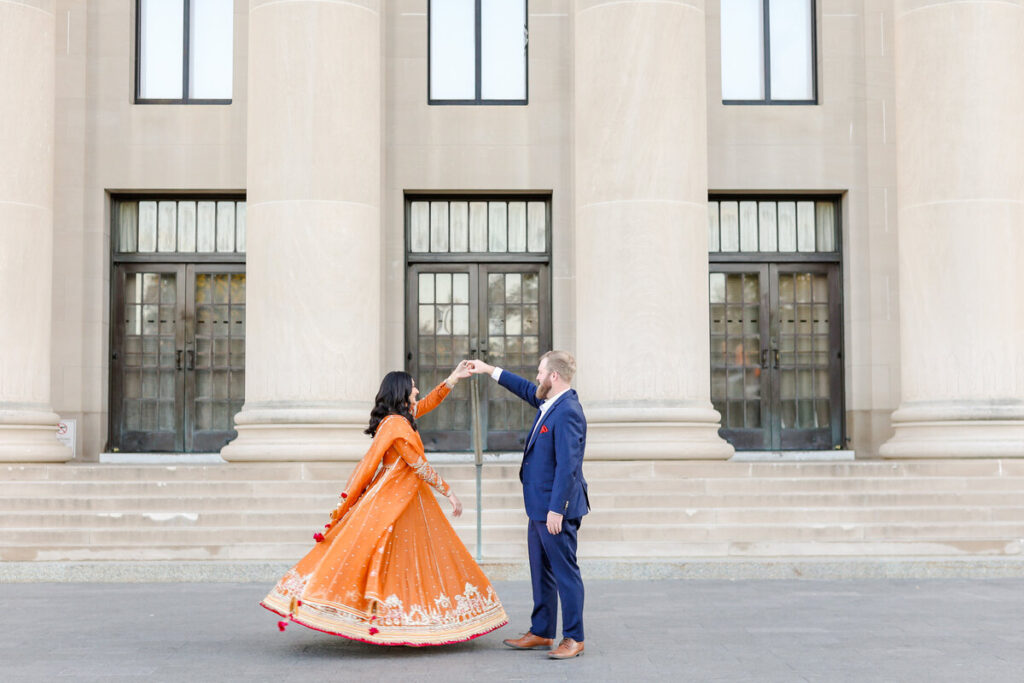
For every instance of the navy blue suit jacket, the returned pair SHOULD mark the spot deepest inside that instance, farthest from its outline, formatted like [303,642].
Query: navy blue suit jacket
[552,469]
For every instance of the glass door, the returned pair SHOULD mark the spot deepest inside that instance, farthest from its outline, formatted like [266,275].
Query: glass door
[495,312]
[178,356]
[776,361]
[806,363]
[215,355]
[147,360]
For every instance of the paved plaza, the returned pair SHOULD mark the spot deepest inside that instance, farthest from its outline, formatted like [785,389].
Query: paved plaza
[673,630]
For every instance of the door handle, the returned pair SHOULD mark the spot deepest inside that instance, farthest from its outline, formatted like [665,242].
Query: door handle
[177,359]
[764,358]
[776,352]
[190,355]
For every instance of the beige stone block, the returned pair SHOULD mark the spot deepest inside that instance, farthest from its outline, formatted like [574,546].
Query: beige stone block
[293,40]
[955,127]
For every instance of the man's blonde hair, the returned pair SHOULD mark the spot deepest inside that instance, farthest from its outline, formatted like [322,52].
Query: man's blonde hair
[561,362]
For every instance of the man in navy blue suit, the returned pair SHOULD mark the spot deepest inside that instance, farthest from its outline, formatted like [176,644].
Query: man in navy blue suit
[555,494]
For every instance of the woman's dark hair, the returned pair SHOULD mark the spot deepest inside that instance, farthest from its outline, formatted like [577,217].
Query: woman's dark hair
[392,399]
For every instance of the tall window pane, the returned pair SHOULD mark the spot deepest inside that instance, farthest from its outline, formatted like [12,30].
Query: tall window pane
[503,49]
[790,34]
[742,50]
[787,73]
[452,50]
[161,45]
[210,49]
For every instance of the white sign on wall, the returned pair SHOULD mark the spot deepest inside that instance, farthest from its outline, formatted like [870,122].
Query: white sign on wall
[66,434]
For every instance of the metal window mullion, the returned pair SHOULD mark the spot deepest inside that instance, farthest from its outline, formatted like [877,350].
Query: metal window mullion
[479,49]
[186,29]
[765,24]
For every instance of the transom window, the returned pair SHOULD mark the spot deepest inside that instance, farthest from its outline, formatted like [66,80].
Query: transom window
[184,51]
[477,52]
[181,225]
[768,52]
[442,226]
[773,226]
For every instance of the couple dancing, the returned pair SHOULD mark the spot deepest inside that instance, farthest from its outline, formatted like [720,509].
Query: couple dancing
[389,569]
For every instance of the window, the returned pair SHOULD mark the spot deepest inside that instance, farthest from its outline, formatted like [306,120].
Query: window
[477,52]
[784,226]
[184,51]
[478,226]
[189,226]
[768,52]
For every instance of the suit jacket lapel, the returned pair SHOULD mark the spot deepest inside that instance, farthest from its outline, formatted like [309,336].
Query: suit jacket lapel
[535,432]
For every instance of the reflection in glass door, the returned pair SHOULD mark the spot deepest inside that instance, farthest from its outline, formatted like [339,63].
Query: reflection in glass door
[776,361]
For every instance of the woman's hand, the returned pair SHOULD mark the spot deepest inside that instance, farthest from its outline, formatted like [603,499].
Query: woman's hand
[456,504]
[478,367]
[461,371]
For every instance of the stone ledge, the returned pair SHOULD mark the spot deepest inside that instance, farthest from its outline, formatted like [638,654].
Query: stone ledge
[498,570]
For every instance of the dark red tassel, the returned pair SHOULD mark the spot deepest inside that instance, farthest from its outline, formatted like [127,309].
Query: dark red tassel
[318,537]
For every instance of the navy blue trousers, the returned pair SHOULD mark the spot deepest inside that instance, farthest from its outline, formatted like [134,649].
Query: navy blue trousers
[555,575]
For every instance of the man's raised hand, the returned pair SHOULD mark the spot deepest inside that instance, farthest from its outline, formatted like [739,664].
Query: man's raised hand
[478,367]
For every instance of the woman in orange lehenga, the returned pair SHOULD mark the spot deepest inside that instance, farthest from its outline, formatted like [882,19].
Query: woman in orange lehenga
[390,569]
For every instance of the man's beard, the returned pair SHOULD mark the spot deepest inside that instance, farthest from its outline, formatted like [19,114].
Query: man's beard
[543,390]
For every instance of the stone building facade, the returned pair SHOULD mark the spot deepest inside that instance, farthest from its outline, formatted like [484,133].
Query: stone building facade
[359,185]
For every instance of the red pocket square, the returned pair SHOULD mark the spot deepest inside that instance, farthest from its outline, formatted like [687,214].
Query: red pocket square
[543,429]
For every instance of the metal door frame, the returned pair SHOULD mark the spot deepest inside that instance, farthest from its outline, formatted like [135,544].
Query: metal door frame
[514,439]
[771,404]
[194,269]
[117,437]
[184,404]
[834,437]
[456,441]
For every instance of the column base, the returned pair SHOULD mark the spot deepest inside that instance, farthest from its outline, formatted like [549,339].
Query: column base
[967,430]
[31,436]
[618,431]
[269,433]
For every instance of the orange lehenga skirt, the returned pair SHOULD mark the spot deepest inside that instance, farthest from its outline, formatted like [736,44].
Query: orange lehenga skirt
[390,569]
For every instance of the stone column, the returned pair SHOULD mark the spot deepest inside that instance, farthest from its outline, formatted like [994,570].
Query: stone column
[28,424]
[960,178]
[314,261]
[641,230]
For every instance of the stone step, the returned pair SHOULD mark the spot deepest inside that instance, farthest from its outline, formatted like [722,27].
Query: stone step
[713,486]
[693,533]
[592,468]
[283,517]
[323,503]
[516,550]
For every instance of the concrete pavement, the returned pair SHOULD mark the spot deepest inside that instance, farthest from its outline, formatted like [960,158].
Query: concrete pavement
[673,630]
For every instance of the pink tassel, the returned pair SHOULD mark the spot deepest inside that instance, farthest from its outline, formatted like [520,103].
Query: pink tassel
[281,625]
[318,537]
[344,495]
[374,631]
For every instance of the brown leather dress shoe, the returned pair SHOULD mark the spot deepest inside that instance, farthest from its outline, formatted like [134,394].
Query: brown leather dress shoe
[567,649]
[528,641]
